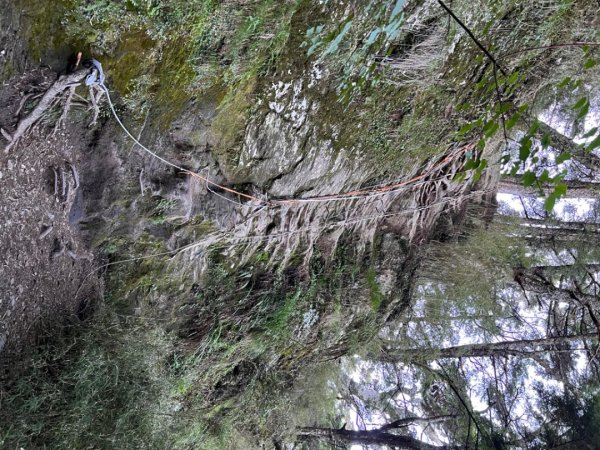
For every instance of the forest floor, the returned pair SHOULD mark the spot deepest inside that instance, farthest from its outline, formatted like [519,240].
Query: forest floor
[43,261]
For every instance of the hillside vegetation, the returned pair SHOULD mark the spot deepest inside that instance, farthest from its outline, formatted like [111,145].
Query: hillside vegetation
[371,223]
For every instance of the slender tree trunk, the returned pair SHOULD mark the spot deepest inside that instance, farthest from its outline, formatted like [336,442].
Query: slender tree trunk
[558,270]
[537,281]
[560,225]
[563,143]
[540,232]
[522,347]
[575,189]
[367,437]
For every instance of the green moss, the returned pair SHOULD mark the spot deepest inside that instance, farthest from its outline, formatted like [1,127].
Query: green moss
[229,124]
[374,291]
[129,61]
[174,75]
[47,39]
[278,325]
[7,71]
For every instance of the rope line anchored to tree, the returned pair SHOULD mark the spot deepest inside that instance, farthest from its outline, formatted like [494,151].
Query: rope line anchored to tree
[97,77]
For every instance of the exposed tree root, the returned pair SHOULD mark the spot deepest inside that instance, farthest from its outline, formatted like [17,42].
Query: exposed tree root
[61,121]
[47,101]
[7,136]
[95,96]
[22,104]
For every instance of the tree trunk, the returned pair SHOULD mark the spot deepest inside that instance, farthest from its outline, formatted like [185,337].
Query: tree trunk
[575,189]
[563,143]
[506,348]
[537,281]
[562,269]
[367,437]
[540,232]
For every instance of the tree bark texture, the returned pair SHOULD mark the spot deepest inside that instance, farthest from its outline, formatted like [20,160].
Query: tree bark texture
[368,437]
[521,347]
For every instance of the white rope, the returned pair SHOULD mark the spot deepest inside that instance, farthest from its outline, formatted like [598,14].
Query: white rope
[112,108]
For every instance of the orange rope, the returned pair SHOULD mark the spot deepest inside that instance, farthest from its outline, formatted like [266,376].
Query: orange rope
[358,193]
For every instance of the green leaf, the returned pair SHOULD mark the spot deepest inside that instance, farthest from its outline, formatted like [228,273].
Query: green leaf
[490,128]
[397,8]
[466,128]
[546,140]
[544,177]
[512,121]
[590,133]
[525,149]
[333,45]
[512,78]
[471,164]
[503,108]
[393,29]
[589,63]
[564,156]
[549,203]
[514,170]
[373,36]
[560,190]
[535,126]
[565,82]
[594,144]
[313,48]
[528,178]
[583,110]
[480,168]
[459,177]
[582,101]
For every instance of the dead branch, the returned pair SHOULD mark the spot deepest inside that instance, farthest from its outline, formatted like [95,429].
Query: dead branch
[63,181]
[95,100]
[7,136]
[142,181]
[55,181]
[22,103]
[45,232]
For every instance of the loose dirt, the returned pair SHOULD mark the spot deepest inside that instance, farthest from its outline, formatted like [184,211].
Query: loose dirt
[43,261]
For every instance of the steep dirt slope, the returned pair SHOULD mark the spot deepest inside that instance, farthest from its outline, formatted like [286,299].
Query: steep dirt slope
[43,259]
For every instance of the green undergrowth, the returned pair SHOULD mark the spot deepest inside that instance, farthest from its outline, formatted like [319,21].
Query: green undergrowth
[240,359]
[236,356]
[159,53]
[253,359]
[98,385]
[250,365]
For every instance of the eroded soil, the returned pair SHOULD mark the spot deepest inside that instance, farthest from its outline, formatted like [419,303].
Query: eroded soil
[43,262]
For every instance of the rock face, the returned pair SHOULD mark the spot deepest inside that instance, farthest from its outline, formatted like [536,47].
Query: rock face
[294,177]
[285,150]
